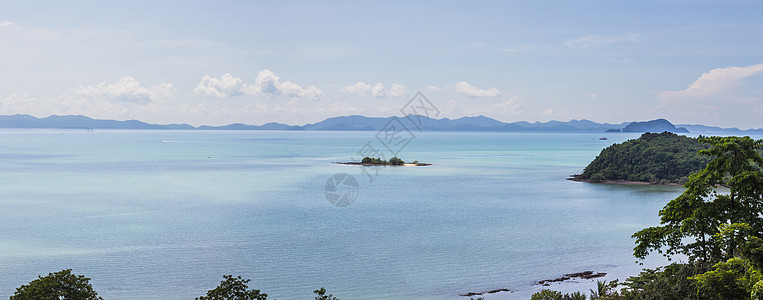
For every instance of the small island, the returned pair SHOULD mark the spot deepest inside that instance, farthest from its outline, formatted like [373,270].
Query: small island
[394,161]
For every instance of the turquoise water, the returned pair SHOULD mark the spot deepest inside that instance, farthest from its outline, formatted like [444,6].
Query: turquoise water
[164,214]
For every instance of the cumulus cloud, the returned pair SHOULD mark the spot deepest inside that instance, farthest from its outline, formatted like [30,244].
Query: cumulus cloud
[378,90]
[6,24]
[723,96]
[472,91]
[225,86]
[267,84]
[713,82]
[597,40]
[127,89]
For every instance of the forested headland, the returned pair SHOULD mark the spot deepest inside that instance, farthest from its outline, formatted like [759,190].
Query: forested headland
[654,158]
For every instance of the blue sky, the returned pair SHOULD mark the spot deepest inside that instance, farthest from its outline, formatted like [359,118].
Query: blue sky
[220,62]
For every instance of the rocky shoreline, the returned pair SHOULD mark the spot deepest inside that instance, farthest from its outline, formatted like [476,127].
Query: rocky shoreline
[546,282]
[565,277]
[470,294]
[579,178]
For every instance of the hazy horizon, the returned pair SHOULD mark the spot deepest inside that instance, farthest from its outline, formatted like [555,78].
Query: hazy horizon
[295,62]
[303,124]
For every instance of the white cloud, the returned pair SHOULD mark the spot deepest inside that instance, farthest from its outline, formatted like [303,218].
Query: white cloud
[378,90]
[597,40]
[127,89]
[6,24]
[267,84]
[472,91]
[226,86]
[723,96]
[713,82]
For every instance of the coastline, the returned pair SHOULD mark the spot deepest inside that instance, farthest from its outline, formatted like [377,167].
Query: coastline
[573,284]
[577,178]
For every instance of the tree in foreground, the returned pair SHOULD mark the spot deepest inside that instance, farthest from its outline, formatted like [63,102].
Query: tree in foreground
[717,223]
[556,295]
[693,224]
[233,288]
[57,286]
[320,294]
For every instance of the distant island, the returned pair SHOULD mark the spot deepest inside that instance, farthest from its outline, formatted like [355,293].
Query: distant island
[394,161]
[363,123]
[657,158]
[659,125]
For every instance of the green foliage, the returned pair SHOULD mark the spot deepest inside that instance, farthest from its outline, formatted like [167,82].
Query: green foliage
[57,286]
[575,296]
[732,279]
[321,295]
[547,295]
[712,226]
[598,177]
[602,289]
[717,222]
[664,283]
[654,157]
[396,161]
[233,288]
[693,223]
[757,291]
[378,161]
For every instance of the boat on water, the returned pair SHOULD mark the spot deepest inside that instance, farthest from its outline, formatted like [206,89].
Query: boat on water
[602,139]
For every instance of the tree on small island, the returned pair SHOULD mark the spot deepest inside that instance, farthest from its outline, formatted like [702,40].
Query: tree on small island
[378,161]
[396,161]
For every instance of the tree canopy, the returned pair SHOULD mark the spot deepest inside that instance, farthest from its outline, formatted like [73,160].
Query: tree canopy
[60,285]
[654,157]
[717,223]
[395,161]
[233,288]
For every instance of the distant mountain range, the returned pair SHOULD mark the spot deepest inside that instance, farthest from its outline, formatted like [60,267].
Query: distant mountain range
[355,122]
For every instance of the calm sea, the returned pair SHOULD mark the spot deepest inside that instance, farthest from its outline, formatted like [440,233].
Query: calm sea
[164,214]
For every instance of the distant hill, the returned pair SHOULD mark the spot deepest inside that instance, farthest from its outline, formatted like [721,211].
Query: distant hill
[659,125]
[479,123]
[79,122]
[713,129]
[356,122]
[654,157]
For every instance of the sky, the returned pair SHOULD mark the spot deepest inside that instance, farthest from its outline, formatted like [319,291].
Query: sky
[298,62]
